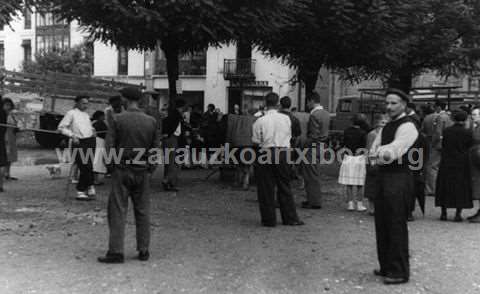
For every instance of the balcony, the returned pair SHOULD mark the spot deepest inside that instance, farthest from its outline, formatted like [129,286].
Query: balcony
[239,69]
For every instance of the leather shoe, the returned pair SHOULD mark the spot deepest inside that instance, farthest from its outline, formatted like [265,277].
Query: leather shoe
[394,281]
[295,223]
[269,225]
[307,205]
[475,219]
[143,255]
[379,273]
[111,258]
[458,219]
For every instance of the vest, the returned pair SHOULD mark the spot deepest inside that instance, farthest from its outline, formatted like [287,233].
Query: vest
[388,135]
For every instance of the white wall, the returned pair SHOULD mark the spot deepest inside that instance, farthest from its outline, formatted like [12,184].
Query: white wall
[77,34]
[105,60]
[12,40]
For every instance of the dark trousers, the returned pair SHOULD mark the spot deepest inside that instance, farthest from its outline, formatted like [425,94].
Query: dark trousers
[391,211]
[84,161]
[418,188]
[269,176]
[311,173]
[172,170]
[129,183]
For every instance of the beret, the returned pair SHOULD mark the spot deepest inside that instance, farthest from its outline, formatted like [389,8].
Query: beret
[404,96]
[131,93]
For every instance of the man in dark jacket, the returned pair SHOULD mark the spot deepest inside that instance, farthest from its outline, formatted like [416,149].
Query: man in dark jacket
[285,104]
[172,129]
[131,132]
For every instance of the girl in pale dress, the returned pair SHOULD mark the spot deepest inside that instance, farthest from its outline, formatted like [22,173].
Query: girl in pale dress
[353,169]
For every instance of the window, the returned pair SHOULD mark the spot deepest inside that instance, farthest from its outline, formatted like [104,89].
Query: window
[28,19]
[346,106]
[48,19]
[52,33]
[53,42]
[122,61]
[27,50]
[189,64]
[2,55]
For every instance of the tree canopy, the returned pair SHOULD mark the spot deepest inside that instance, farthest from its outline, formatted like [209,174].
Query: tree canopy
[179,26]
[10,8]
[437,35]
[389,40]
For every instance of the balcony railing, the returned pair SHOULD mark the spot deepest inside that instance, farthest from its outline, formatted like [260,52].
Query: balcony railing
[239,69]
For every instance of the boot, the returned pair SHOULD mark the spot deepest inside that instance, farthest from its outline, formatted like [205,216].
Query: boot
[351,206]
[475,216]
[360,206]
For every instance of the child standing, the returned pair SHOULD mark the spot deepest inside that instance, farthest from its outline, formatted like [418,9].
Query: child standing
[353,168]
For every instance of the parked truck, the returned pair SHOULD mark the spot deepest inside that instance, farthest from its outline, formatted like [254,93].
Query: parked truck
[42,99]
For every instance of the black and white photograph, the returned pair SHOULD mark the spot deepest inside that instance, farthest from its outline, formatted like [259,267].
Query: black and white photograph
[239,146]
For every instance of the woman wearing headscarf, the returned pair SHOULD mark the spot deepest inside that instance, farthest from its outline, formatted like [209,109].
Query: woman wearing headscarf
[475,161]
[10,138]
[3,151]
[454,183]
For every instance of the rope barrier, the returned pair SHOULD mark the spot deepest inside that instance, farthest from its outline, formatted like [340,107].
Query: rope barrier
[39,130]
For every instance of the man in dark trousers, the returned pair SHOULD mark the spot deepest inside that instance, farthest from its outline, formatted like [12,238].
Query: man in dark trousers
[317,138]
[172,129]
[133,136]
[272,134]
[391,149]
[76,124]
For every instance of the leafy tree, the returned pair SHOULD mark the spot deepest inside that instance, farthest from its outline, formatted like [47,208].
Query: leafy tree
[179,26]
[9,8]
[332,33]
[437,35]
[75,60]
[391,40]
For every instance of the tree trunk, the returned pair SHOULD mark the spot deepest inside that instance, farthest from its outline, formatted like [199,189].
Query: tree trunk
[309,75]
[171,54]
[401,81]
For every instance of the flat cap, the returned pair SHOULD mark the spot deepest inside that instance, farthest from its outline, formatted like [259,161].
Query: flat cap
[404,96]
[131,93]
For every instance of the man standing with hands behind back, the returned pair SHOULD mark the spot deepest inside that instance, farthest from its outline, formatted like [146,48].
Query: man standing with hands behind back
[395,185]
[134,136]
[317,138]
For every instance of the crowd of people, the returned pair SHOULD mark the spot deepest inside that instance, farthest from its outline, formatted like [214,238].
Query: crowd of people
[377,165]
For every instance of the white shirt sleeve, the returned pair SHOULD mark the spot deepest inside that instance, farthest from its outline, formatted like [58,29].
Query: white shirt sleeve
[257,133]
[65,124]
[405,137]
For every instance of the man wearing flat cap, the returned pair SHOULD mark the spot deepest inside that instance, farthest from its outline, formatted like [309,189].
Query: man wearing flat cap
[391,150]
[133,136]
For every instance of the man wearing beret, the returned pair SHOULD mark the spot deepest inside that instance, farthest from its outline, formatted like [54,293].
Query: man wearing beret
[391,150]
[133,136]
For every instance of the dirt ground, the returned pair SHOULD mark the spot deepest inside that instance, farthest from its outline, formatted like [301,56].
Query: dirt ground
[207,239]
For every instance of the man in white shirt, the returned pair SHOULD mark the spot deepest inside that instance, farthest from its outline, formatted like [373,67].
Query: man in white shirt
[391,150]
[272,134]
[76,125]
